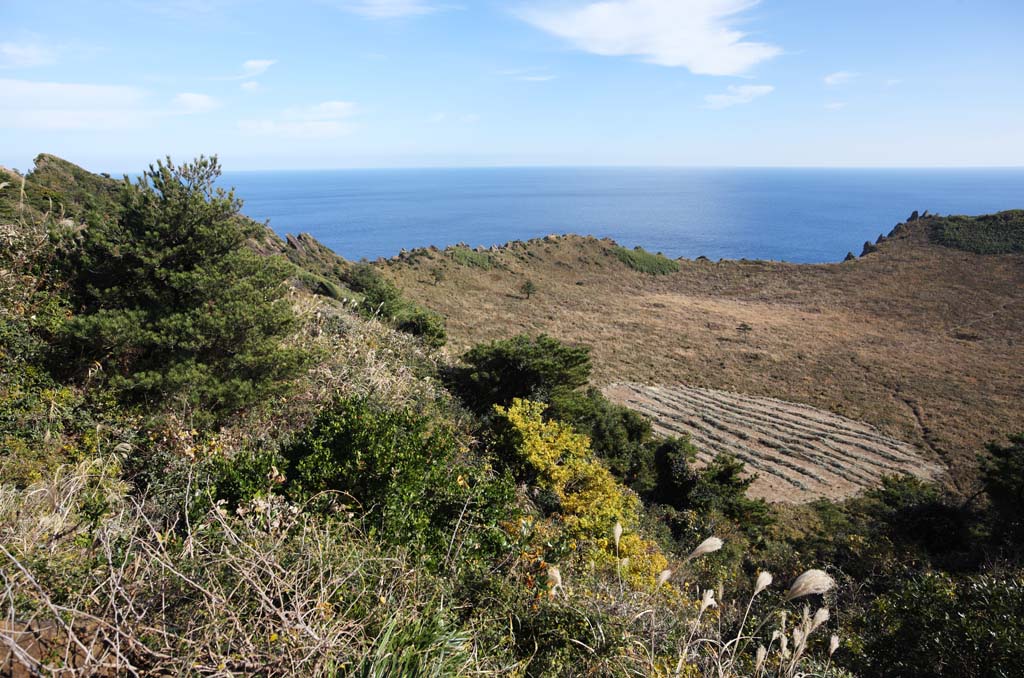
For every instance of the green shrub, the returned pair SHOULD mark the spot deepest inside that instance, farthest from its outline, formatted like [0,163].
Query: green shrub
[937,626]
[172,305]
[466,256]
[1003,480]
[641,260]
[999,233]
[404,472]
[520,367]
[424,324]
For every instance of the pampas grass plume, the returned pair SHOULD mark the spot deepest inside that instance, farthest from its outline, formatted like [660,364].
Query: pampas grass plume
[709,545]
[762,654]
[617,533]
[708,600]
[764,580]
[820,617]
[554,579]
[833,645]
[809,583]
[663,577]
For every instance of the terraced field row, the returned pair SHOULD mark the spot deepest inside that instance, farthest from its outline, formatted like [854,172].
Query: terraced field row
[799,453]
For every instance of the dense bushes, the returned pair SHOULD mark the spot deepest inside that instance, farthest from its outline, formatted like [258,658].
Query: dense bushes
[937,626]
[407,475]
[170,306]
[999,233]
[641,260]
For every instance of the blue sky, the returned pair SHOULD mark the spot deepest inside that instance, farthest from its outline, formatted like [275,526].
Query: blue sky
[410,83]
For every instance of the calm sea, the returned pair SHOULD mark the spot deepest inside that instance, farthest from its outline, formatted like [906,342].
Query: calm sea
[799,215]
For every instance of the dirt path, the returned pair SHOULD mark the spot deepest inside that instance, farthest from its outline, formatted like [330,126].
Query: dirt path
[800,453]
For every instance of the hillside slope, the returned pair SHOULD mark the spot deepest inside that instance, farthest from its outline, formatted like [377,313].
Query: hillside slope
[917,339]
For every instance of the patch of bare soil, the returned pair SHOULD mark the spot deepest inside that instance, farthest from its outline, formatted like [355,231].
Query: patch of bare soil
[799,453]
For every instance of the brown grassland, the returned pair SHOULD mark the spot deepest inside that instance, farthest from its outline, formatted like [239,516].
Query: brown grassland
[922,341]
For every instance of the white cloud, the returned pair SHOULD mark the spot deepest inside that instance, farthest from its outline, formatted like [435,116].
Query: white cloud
[255,67]
[64,106]
[26,104]
[835,105]
[735,95]
[694,34]
[840,78]
[25,55]
[325,120]
[189,102]
[528,76]
[388,9]
[250,86]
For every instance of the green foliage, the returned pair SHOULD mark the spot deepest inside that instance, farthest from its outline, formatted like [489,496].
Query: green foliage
[999,233]
[520,367]
[1003,479]
[937,626]
[382,298]
[528,289]
[641,260]
[466,256]
[426,324]
[621,437]
[171,305]
[404,471]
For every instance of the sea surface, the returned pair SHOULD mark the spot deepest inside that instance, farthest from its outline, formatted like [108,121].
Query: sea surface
[798,215]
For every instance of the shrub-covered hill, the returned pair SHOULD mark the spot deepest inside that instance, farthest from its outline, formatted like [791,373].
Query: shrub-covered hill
[1000,233]
[208,468]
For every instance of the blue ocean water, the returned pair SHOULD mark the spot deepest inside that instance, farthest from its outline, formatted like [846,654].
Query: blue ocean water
[798,215]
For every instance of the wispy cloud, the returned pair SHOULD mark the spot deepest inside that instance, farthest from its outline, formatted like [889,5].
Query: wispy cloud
[387,9]
[835,105]
[693,34]
[253,68]
[190,102]
[736,95]
[65,106]
[525,75]
[322,121]
[54,106]
[26,55]
[892,82]
[250,86]
[839,78]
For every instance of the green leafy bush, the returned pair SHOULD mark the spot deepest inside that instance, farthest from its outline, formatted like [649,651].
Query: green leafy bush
[405,472]
[171,306]
[520,367]
[999,233]
[425,324]
[938,626]
[466,256]
[641,260]
[1003,480]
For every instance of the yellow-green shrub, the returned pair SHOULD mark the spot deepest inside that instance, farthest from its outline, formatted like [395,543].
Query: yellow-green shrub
[590,501]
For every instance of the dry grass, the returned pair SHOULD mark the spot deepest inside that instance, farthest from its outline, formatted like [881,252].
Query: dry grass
[799,453]
[918,340]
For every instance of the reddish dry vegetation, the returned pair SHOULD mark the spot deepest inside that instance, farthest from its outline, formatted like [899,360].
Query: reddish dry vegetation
[921,341]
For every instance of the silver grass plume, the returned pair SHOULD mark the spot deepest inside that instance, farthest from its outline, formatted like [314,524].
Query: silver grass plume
[708,600]
[554,580]
[762,654]
[809,583]
[833,645]
[820,617]
[764,580]
[709,545]
[617,533]
[663,577]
